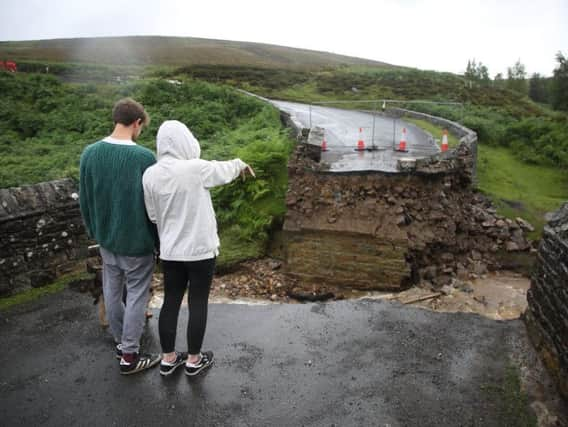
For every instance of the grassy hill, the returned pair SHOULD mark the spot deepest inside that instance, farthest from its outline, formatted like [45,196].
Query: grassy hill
[46,120]
[175,51]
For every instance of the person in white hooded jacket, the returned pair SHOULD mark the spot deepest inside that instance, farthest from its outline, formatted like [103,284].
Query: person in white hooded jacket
[176,194]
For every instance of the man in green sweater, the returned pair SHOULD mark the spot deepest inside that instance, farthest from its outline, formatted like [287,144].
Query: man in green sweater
[112,205]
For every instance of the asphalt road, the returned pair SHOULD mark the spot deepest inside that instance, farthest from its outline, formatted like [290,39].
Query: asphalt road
[342,134]
[349,363]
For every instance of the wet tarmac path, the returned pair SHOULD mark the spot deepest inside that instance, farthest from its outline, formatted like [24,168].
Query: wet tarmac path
[347,363]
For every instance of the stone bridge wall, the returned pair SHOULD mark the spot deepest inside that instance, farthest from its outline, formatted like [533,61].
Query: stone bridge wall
[41,234]
[463,157]
[547,313]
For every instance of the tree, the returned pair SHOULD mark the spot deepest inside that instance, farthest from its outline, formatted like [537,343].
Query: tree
[483,74]
[476,72]
[470,70]
[498,80]
[516,78]
[560,84]
[538,88]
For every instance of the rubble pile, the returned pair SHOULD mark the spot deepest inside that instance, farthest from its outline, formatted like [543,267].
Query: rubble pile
[261,278]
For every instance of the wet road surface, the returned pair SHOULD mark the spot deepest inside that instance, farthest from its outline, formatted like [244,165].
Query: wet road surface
[348,363]
[342,134]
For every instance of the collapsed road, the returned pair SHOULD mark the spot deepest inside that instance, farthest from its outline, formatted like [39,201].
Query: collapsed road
[345,128]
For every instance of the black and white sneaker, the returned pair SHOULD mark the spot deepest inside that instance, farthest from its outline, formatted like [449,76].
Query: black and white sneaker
[167,368]
[118,351]
[140,363]
[195,368]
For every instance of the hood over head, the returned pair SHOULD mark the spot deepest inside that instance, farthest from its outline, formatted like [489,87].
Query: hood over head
[175,140]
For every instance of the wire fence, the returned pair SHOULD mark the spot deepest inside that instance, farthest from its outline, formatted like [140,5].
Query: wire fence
[382,104]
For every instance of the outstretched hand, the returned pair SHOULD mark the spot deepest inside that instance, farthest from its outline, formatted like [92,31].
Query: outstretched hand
[248,170]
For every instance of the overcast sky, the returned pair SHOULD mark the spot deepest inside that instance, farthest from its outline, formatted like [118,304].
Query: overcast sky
[427,34]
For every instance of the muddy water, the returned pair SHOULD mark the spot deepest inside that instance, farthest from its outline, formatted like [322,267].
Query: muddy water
[158,298]
[498,296]
[505,295]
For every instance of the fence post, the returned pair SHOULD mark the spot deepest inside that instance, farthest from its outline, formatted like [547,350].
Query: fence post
[394,132]
[373,133]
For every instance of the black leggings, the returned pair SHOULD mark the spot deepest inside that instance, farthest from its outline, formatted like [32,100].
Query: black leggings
[177,276]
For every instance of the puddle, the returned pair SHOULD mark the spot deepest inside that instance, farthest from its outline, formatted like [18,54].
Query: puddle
[158,299]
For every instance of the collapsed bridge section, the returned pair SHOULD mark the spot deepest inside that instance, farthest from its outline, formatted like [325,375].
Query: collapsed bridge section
[385,231]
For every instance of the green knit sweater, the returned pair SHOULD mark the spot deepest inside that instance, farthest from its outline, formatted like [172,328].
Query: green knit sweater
[112,198]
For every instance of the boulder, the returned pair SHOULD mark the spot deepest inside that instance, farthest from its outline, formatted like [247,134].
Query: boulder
[525,225]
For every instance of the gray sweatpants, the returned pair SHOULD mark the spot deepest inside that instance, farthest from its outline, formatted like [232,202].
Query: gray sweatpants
[126,322]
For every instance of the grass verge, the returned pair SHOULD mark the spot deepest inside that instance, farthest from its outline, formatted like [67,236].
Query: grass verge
[434,130]
[35,293]
[511,400]
[518,188]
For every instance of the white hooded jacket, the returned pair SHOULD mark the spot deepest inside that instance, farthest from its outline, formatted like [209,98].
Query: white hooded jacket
[176,194]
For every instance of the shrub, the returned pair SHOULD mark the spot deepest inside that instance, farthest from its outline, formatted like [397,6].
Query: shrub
[45,125]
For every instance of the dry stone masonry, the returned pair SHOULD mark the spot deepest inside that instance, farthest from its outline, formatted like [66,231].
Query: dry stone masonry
[41,234]
[547,313]
[462,159]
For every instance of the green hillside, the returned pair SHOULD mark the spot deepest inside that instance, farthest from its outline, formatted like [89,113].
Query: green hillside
[151,50]
[45,120]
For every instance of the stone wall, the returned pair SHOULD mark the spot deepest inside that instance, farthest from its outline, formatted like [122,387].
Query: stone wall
[41,234]
[454,128]
[547,312]
[461,159]
[404,228]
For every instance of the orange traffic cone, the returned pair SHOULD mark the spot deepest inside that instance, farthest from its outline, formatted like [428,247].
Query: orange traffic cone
[360,143]
[402,143]
[445,140]
[324,144]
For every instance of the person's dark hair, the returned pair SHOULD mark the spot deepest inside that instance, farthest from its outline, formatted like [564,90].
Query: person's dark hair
[127,111]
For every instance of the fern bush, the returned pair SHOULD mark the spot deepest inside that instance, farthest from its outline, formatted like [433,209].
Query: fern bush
[45,124]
